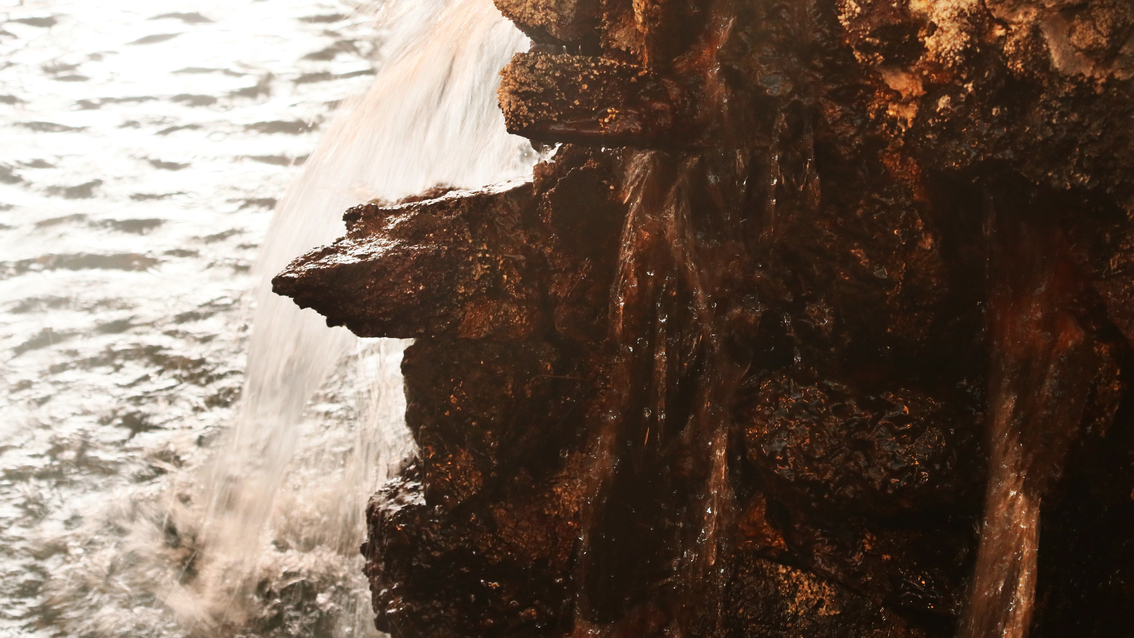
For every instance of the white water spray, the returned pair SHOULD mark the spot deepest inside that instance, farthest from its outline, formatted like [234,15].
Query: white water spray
[430,118]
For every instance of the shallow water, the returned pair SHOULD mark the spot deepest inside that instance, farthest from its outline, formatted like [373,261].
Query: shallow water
[143,152]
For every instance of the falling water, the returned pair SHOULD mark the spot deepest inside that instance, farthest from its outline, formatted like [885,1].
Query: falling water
[661,465]
[262,538]
[429,119]
[1040,356]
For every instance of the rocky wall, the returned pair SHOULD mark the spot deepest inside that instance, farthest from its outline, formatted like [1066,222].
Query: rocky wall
[722,368]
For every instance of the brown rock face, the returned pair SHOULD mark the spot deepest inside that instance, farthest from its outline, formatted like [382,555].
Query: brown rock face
[454,265]
[737,360]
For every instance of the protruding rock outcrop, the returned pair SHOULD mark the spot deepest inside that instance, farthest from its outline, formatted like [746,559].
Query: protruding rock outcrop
[726,366]
[587,99]
[455,265]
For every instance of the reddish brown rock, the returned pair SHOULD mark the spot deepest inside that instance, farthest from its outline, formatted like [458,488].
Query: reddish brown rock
[572,98]
[832,448]
[721,369]
[563,21]
[454,265]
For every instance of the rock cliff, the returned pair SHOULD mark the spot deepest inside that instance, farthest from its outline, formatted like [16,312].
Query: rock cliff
[731,364]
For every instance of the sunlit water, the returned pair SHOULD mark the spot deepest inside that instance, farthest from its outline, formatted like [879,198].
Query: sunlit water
[143,152]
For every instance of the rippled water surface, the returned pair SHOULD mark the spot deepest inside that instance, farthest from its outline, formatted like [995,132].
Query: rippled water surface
[143,146]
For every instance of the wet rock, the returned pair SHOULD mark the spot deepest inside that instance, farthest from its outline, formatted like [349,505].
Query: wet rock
[581,217]
[835,449]
[723,367]
[1106,251]
[481,411]
[499,571]
[571,98]
[1043,87]
[559,21]
[770,599]
[386,279]
[918,566]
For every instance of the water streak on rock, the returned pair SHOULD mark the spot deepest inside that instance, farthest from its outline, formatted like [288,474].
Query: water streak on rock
[1040,356]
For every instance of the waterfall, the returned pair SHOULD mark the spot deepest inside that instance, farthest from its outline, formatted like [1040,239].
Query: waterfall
[430,118]
[668,398]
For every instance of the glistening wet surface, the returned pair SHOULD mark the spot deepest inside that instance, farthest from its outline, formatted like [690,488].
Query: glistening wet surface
[143,148]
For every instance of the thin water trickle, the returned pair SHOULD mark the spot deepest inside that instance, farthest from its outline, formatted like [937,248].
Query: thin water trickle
[662,451]
[1040,354]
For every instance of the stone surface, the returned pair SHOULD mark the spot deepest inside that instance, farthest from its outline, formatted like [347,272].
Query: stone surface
[832,448]
[453,265]
[723,367]
[573,98]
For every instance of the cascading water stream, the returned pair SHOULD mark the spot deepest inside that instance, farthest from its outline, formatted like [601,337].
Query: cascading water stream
[661,459]
[1040,354]
[430,118]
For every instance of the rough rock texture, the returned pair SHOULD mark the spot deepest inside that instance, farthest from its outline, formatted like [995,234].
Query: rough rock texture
[725,366]
[586,99]
[563,20]
[455,265]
